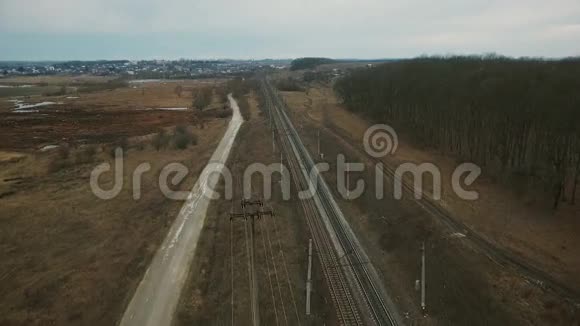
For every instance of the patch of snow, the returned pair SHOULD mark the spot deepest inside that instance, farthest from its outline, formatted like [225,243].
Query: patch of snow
[165,109]
[13,86]
[173,109]
[142,81]
[457,235]
[21,106]
[72,97]
[25,111]
[48,147]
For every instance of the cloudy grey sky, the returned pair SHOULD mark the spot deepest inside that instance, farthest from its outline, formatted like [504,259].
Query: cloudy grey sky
[144,29]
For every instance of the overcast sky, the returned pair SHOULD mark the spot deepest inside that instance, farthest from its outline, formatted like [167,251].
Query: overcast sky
[146,29]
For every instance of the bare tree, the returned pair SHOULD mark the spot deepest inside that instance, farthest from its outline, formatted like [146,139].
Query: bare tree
[519,116]
[178,90]
[202,98]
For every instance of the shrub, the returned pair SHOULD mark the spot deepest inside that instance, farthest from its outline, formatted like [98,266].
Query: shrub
[182,137]
[61,91]
[222,114]
[57,164]
[289,85]
[178,90]
[181,141]
[203,98]
[240,86]
[122,143]
[140,146]
[181,129]
[222,94]
[108,86]
[160,140]
[63,151]
[86,154]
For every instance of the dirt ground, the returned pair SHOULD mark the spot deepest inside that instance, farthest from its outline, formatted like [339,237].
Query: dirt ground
[281,244]
[68,257]
[464,286]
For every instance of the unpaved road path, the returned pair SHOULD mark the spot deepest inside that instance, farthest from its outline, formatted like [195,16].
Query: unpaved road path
[157,295]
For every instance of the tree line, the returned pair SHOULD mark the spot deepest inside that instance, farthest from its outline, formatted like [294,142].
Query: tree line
[202,98]
[308,63]
[519,118]
[240,87]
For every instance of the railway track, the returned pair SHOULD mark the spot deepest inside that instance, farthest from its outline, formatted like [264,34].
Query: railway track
[493,251]
[355,286]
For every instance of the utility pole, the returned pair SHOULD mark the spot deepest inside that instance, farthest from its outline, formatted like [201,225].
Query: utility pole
[309,278]
[270,115]
[318,132]
[252,210]
[273,142]
[254,292]
[347,184]
[423,306]
[269,104]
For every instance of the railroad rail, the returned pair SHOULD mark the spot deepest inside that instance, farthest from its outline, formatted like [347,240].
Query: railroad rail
[498,254]
[354,284]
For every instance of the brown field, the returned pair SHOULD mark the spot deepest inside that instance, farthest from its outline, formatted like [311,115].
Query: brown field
[69,258]
[96,117]
[206,299]
[466,286]
[55,80]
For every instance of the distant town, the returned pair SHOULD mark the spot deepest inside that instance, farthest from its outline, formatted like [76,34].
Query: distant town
[167,69]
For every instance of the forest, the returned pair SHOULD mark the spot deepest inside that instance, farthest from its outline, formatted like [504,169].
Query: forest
[308,63]
[517,118]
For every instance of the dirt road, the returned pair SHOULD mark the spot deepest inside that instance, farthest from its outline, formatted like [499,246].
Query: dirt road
[158,293]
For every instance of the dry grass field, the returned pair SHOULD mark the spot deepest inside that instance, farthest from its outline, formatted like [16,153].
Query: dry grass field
[55,80]
[97,116]
[281,252]
[68,257]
